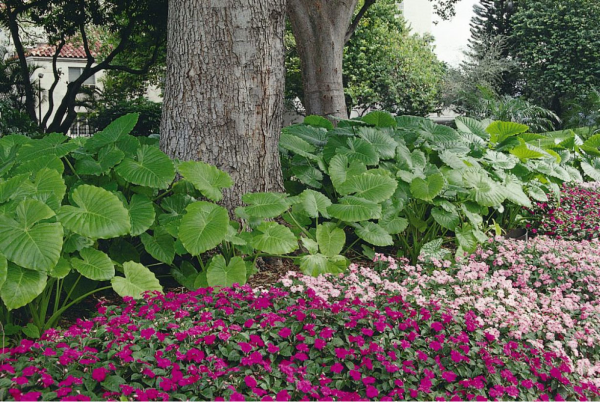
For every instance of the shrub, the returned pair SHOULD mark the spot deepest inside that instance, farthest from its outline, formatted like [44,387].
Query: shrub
[148,121]
[82,215]
[575,216]
[409,182]
[241,344]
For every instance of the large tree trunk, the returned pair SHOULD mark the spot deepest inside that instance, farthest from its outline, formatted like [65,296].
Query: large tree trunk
[320,28]
[224,91]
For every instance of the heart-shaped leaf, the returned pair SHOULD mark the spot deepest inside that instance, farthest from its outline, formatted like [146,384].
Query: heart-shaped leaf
[141,213]
[151,168]
[95,265]
[374,234]
[203,227]
[206,178]
[28,243]
[99,214]
[355,209]
[221,274]
[427,189]
[273,238]
[21,286]
[264,205]
[160,246]
[138,279]
[330,238]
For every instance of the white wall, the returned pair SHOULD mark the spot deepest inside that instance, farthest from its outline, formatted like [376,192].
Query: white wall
[45,67]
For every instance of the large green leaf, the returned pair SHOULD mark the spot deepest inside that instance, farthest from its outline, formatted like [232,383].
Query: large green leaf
[108,157]
[427,189]
[160,246]
[138,279]
[466,238]
[552,169]
[383,143]
[21,286]
[3,269]
[592,144]
[330,238]
[99,214]
[469,125]
[206,178]
[273,238]
[308,175]
[340,169]
[203,227]
[264,205]
[313,135]
[433,250]
[42,162]
[44,183]
[95,265]
[374,234]
[591,168]
[380,118]
[51,144]
[445,219]
[151,168]
[355,209]
[318,121]
[28,243]
[371,187]
[141,213]
[315,203]
[526,151]
[501,130]
[221,274]
[61,269]
[297,145]
[484,191]
[357,149]
[317,264]
[513,188]
[115,131]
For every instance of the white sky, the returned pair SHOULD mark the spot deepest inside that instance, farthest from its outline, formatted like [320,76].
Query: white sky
[451,36]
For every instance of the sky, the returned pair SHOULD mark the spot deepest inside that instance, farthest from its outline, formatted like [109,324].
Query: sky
[451,36]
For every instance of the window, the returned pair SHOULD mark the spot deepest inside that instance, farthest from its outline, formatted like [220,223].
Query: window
[81,127]
[75,72]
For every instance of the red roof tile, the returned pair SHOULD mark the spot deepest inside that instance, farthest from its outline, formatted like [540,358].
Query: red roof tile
[67,51]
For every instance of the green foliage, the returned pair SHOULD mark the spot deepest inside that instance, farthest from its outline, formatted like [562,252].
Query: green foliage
[82,215]
[558,46]
[388,68]
[108,109]
[409,182]
[384,66]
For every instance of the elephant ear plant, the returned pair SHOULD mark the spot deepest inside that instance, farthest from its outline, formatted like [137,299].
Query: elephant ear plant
[83,215]
[409,183]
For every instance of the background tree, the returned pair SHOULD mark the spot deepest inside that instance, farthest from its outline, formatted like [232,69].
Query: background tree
[321,29]
[386,67]
[86,24]
[490,25]
[224,89]
[557,45]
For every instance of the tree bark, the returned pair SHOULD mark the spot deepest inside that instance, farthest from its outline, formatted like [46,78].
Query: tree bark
[320,28]
[224,89]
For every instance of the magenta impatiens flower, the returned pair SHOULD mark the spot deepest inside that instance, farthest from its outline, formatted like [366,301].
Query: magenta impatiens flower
[337,367]
[284,332]
[99,374]
[437,326]
[372,392]
[449,376]
[250,381]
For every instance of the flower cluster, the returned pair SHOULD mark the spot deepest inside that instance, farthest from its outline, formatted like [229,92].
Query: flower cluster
[576,216]
[243,344]
[544,291]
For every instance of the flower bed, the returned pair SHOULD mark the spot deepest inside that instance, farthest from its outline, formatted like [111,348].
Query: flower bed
[576,216]
[396,336]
